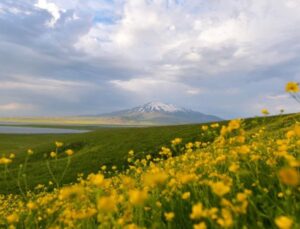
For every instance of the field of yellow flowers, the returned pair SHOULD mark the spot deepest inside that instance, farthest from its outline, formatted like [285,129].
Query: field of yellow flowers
[241,180]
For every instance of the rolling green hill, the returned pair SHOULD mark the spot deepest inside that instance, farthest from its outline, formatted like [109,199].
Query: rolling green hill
[103,146]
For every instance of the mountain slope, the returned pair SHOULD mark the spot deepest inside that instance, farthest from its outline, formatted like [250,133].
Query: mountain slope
[161,113]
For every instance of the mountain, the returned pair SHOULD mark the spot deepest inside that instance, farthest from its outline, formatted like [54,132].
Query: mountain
[161,113]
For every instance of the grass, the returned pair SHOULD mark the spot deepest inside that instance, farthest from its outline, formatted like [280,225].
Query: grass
[243,175]
[77,120]
[102,146]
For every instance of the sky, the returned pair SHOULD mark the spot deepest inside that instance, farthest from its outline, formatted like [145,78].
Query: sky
[73,57]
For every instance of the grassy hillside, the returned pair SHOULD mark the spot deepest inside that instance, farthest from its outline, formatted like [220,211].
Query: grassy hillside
[104,146]
[107,146]
[230,175]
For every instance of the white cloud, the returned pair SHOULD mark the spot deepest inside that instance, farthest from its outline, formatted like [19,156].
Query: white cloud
[293,3]
[15,107]
[236,35]
[193,56]
[193,91]
[224,56]
[51,8]
[153,86]
[63,89]
[278,97]
[42,85]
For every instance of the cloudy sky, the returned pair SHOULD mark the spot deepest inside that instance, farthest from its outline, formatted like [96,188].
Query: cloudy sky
[229,58]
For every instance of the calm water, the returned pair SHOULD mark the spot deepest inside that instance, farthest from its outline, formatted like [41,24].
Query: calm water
[36,130]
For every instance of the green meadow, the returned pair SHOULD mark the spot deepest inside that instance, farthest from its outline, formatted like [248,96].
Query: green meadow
[101,146]
[231,174]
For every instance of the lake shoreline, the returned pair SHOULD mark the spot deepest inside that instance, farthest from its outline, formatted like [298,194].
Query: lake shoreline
[20,129]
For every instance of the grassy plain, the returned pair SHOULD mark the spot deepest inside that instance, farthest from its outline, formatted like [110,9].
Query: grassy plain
[102,146]
[107,146]
[237,174]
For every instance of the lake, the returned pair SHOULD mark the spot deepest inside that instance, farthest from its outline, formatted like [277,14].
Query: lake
[37,130]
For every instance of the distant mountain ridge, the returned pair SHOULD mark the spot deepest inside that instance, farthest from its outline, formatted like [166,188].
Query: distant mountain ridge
[161,113]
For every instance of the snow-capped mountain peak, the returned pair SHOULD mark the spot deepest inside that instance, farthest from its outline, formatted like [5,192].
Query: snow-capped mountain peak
[160,113]
[158,107]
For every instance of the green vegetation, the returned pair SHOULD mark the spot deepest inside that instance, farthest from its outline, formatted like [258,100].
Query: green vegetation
[103,146]
[236,174]
[107,146]
[78,121]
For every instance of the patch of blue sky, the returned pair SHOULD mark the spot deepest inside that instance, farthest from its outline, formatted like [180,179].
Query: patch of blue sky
[105,18]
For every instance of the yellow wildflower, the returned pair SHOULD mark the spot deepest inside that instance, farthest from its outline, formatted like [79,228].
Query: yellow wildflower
[240,139]
[29,151]
[114,167]
[290,134]
[265,112]
[97,179]
[197,144]
[52,154]
[176,141]
[137,197]
[5,161]
[219,188]
[283,222]
[12,218]
[189,145]
[234,124]
[186,195]
[71,192]
[131,152]
[212,213]
[280,194]
[153,179]
[234,167]
[107,203]
[165,151]
[289,176]
[214,125]
[31,205]
[69,152]
[197,211]
[244,149]
[224,130]
[158,204]
[169,216]
[241,197]
[132,226]
[59,144]
[226,220]
[204,128]
[201,225]
[292,87]
[187,178]
[121,221]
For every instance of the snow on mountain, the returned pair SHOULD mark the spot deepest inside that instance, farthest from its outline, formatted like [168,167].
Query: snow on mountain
[161,113]
[158,107]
